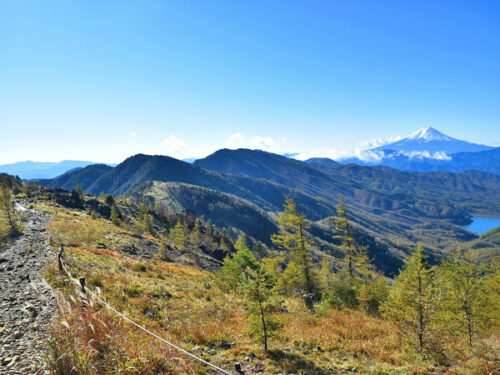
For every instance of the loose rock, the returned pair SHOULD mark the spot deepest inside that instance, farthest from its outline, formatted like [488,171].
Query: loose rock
[27,304]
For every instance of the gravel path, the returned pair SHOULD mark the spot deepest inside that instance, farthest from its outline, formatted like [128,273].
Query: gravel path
[27,303]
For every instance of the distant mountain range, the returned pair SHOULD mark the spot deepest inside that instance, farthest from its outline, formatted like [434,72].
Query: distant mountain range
[429,150]
[244,189]
[426,150]
[33,170]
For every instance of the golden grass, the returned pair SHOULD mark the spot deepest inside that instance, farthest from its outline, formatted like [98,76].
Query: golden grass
[183,304]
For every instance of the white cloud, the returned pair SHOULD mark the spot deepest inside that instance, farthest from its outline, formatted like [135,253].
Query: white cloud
[361,151]
[236,140]
[438,155]
[261,142]
[174,143]
[377,142]
[284,139]
[133,134]
[341,154]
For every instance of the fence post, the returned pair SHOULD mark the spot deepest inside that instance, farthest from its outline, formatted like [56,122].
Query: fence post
[82,283]
[237,367]
[59,258]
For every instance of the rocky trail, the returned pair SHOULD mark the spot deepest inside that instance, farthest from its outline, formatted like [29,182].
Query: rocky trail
[27,303]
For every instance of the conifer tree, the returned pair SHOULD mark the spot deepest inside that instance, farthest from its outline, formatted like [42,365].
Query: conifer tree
[225,242]
[115,216]
[234,267]
[260,302]
[77,197]
[179,235]
[241,243]
[78,190]
[364,268]
[363,264]
[326,273]
[465,302]
[146,222]
[195,237]
[292,237]
[491,284]
[413,299]
[109,200]
[345,234]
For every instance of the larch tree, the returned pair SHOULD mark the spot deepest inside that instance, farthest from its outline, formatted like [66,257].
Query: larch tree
[235,266]
[261,300]
[344,233]
[325,274]
[365,285]
[179,235]
[465,301]
[413,299]
[78,190]
[196,235]
[292,237]
[115,215]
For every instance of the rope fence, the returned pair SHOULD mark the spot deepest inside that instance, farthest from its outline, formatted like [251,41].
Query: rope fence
[80,283]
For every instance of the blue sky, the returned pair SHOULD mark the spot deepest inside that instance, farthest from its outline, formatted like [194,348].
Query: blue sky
[103,80]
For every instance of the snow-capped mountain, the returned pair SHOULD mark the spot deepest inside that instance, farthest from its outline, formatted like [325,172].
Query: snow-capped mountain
[431,141]
[426,150]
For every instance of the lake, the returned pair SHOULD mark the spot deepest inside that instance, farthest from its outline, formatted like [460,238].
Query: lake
[481,224]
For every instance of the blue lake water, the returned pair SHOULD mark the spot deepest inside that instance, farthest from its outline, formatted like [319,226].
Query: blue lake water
[481,224]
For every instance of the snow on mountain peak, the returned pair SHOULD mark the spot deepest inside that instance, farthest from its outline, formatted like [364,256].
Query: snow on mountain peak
[428,134]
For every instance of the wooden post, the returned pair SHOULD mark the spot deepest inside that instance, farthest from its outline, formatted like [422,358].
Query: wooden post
[82,283]
[59,258]
[237,367]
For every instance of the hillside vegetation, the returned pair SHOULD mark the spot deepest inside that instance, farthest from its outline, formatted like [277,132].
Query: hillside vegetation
[225,210]
[349,320]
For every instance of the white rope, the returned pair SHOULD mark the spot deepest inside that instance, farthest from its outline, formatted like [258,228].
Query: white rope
[124,317]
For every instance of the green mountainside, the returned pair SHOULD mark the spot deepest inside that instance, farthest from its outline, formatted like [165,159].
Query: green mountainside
[224,210]
[243,189]
[139,169]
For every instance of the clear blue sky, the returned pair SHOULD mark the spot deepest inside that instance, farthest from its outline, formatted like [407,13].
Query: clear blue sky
[101,80]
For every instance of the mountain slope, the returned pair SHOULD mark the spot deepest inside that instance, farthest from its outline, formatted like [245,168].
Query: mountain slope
[469,189]
[140,168]
[431,140]
[225,210]
[85,177]
[402,207]
[317,181]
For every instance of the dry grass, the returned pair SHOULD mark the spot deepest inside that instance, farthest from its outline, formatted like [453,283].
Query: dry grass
[88,340]
[184,304]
